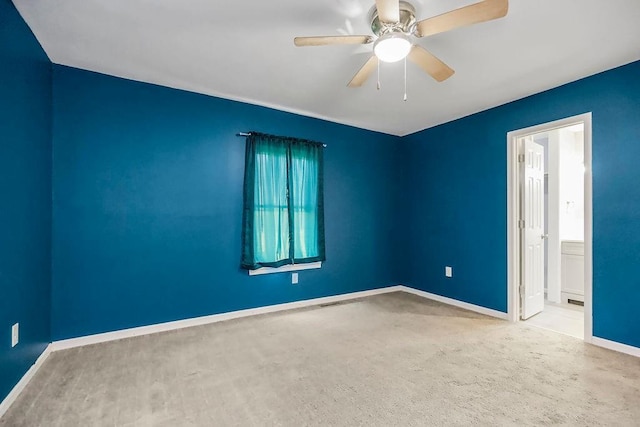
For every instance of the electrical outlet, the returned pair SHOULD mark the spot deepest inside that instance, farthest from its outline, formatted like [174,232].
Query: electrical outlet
[294,278]
[15,334]
[448,271]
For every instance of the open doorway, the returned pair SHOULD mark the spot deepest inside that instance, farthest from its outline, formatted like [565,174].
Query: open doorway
[549,235]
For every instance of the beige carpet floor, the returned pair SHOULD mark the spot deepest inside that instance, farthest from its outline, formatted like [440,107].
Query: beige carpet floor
[388,360]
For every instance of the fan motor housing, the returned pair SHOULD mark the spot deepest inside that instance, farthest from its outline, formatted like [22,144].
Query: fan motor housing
[406,24]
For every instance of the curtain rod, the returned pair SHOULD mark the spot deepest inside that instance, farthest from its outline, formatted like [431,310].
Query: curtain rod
[249,134]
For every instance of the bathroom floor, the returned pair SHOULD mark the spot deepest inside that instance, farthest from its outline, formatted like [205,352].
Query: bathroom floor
[565,318]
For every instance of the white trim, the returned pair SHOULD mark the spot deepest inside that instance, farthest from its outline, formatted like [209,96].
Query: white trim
[455,302]
[513,240]
[204,320]
[616,346]
[18,388]
[512,226]
[588,228]
[285,268]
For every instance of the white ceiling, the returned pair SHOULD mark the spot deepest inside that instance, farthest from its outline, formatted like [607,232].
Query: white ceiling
[243,50]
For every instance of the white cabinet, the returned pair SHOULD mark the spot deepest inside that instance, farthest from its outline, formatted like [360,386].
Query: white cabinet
[572,270]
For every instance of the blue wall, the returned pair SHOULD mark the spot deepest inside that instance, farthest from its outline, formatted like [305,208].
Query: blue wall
[148,205]
[456,180]
[147,185]
[25,192]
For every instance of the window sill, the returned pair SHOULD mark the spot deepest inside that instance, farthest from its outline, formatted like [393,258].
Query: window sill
[286,268]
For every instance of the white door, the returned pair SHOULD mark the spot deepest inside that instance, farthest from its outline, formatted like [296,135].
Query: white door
[532,230]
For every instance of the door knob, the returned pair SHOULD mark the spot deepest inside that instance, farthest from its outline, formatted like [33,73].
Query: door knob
[544,236]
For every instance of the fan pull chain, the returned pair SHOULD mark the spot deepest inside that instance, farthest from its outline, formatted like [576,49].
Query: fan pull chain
[405,78]
[378,62]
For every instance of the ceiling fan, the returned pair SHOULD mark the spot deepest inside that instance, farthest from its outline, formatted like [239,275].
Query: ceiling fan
[395,25]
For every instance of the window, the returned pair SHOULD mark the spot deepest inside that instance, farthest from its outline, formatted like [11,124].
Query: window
[283,215]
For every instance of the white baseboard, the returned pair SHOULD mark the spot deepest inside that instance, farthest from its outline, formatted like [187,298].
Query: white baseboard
[17,389]
[204,320]
[455,302]
[616,346]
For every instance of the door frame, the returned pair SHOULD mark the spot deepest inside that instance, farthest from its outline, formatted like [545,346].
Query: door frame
[513,232]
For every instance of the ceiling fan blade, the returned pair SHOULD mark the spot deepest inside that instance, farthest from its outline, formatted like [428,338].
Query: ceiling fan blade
[430,64]
[473,14]
[363,73]
[326,40]
[388,11]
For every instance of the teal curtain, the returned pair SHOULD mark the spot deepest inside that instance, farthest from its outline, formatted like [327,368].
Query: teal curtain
[283,215]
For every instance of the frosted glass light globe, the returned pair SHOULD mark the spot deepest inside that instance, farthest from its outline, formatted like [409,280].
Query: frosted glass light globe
[392,47]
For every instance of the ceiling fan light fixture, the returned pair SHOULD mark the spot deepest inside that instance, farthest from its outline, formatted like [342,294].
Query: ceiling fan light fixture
[392,47]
